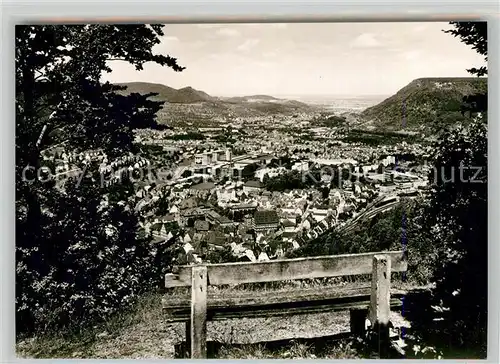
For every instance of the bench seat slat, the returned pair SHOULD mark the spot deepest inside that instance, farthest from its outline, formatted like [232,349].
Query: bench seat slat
[250,304]
[217,314]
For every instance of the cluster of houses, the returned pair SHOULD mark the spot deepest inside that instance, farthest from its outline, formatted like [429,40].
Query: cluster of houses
[112,172]
[256,224]
[239,213]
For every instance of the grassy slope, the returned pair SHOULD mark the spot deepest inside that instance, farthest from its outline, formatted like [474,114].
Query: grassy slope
[144,333]
[428,101]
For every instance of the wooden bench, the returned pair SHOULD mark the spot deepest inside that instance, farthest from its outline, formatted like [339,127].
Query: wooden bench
[373,301]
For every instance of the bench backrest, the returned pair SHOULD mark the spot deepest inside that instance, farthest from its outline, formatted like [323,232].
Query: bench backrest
[198,277]
[284,270]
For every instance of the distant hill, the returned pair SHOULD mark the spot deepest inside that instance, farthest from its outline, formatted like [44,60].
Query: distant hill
[253,98]
[187,105]
[186,95]
[424,104]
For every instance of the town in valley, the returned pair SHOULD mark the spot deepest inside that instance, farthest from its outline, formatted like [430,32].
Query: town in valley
[258,187]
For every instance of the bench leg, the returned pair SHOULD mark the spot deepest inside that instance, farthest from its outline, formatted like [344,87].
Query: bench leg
[380,308]
[187,349]
[199,313]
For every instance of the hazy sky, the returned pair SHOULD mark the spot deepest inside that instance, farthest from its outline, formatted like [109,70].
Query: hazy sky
[304,59]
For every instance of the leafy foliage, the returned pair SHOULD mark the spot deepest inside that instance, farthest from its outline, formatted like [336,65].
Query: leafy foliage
[224,255]
[75,275]
[377,138]
[282,182]
[332,121]
[80,254]
[474,34]
[398,229]
[457,217]
[187,136]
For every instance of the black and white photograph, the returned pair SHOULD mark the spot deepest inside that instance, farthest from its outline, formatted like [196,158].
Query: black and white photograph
[231,190]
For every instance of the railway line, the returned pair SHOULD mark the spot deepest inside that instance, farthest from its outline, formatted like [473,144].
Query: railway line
[369,214]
